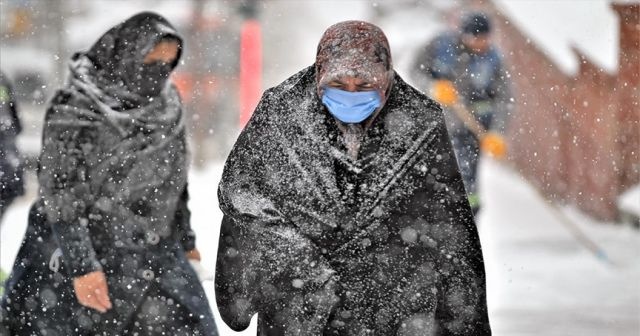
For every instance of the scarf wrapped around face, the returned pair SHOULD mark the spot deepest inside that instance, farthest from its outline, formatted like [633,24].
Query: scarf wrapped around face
[146,134]
[118,58]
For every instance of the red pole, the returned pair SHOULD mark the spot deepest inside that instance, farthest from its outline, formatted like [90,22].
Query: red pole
[250,69]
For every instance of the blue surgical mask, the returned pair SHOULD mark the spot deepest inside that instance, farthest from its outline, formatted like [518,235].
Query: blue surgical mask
[351,107]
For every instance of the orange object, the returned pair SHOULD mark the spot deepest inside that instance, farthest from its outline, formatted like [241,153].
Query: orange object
[92,291]
[444,92]
[250,69]
[184,84]
[494,144]
[20,22]
[194,255]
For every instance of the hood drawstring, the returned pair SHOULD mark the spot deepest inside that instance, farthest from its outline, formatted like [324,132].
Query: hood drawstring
[54,262]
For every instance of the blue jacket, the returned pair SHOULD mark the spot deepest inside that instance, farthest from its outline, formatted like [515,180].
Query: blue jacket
[480,79]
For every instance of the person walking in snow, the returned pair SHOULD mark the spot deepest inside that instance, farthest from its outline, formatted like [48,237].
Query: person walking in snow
[464,73]
[11,173]
[107,246]
[344,210]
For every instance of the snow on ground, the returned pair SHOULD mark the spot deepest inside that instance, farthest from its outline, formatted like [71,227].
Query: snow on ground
[630,200]
[541,281]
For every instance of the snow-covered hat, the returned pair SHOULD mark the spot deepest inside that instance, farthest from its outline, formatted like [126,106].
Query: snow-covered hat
[354,48]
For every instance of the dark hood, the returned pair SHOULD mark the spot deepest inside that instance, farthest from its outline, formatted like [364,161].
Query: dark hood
[124,46]
[120,52]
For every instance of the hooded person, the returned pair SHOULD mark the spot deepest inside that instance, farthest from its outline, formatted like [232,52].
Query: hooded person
[464,72]
[344,211]
[108,240]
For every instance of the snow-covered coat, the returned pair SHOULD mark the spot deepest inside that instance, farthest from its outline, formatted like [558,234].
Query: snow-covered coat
[320,244]
[113,196]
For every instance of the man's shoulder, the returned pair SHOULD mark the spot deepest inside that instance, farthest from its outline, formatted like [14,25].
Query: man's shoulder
[297,81]
[413,103]
[494,55]
[411,95]
[294,91]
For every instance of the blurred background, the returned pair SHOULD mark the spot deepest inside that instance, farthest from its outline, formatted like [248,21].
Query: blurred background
[559,225]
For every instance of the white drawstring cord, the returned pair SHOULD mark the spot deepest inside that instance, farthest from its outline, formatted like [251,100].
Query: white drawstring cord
[54,262]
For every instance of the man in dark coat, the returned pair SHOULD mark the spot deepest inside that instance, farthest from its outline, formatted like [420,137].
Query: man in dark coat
[466,68]
[106,247]
[11,182]
[344,211]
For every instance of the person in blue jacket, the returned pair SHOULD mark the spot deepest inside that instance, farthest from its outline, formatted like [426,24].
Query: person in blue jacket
[465,73]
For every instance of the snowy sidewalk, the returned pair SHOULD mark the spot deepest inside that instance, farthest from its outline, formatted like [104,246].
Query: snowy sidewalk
[540,280]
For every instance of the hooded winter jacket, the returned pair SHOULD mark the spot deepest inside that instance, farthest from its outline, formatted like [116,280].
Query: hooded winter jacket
[113,194]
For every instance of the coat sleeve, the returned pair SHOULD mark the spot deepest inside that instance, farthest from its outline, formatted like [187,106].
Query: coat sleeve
[461,307]
[261,266]
[184,234]
[265,264]
[65,188]
[436,60]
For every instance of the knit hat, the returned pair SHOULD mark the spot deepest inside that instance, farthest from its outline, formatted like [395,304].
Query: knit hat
[476,24]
